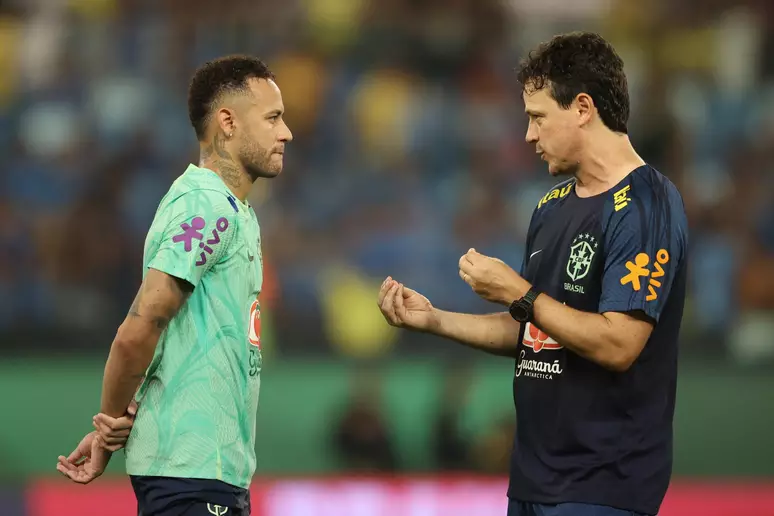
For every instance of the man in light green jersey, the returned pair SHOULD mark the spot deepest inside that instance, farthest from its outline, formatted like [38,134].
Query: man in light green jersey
[191,340]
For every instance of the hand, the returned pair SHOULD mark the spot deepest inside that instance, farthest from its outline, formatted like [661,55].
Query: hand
[86,462]
[491,278]
[114,432]
[406,308]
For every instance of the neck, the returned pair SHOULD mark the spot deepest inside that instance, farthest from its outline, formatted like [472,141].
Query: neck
[215,156]
[608,159]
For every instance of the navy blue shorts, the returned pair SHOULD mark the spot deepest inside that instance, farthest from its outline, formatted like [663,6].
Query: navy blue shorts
[164,496]
[516,508]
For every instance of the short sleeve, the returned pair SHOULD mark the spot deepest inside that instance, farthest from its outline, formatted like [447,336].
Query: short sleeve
[528,244]
[644,249]
[195,230]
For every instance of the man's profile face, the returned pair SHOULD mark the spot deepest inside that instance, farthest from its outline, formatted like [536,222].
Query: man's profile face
[554,131]
[263,132]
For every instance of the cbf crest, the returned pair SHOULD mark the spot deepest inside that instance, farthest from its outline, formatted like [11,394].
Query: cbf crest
[582,252]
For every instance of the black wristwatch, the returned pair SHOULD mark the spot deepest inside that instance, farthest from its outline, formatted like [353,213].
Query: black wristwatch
[523,309]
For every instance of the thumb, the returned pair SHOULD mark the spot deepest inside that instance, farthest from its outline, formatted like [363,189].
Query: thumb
[76,455]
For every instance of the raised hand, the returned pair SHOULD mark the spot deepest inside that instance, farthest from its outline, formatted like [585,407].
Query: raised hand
[403,307]
[491,278]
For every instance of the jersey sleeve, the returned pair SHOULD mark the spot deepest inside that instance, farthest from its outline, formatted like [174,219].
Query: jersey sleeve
[196,230]
[528,243]
[645,246]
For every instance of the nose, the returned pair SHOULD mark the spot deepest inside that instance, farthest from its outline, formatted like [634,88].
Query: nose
[532,134]
[285,135]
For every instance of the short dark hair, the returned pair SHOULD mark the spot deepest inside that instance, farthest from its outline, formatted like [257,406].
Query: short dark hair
[214,78]
[580,62]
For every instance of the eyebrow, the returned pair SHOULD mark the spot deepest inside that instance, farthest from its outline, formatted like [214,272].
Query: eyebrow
[274,112]
[533,113]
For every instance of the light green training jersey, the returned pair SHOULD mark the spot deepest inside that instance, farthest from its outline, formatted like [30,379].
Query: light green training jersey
[199,399]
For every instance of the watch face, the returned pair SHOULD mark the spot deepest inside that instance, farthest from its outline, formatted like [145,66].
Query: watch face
[519,313]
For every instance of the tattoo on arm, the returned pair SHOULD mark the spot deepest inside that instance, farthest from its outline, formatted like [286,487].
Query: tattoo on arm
[134,310]
[160,303]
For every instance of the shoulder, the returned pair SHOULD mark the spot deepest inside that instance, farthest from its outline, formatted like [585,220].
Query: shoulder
[200,201]
[556,194]
[646,198]
[198,209]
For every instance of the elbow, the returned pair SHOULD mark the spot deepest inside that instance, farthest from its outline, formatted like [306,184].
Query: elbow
[619,359]
[619,364]
[133,348]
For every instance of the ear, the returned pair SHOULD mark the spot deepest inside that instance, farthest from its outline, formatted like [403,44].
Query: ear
[584,105]
[224,118]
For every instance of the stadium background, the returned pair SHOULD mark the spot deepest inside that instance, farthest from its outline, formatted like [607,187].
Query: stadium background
[408,150]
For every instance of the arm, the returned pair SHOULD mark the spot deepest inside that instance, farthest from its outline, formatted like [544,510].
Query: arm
[158,301]
[613,340]
[186,243]
[403,307]
[644,248]
[497,334]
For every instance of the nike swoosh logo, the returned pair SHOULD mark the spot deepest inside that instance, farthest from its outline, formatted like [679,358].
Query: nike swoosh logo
[536,252]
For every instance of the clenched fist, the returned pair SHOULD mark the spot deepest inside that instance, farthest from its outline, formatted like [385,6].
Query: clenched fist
[491,278]
[406,308]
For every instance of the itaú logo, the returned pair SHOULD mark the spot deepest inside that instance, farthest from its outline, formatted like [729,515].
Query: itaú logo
[537,339]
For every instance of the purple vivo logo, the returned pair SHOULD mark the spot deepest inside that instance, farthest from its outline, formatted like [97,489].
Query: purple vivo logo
[193,232]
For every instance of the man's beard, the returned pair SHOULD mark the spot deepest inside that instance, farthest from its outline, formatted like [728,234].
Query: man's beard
[256,162]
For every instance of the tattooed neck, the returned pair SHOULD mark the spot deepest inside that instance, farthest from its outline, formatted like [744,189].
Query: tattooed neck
[215,157]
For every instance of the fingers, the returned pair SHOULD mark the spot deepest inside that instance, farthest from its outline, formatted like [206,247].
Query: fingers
[113,432]
[112,425]
[65,464]
[386,284]
[75,456]
[75,473]
[61,469]
[64,470]
[118,437]
[466,278]
[466,263]
[388,305]
[82,476]
[400,309]
[132,409]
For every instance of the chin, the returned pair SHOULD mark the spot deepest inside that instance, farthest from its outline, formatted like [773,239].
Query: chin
[264,172]
[558,171]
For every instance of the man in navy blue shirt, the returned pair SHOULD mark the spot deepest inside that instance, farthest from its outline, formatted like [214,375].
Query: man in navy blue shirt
[594,314]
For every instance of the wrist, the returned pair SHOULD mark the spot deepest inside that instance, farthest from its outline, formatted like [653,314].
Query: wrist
[515,291]
[434,322]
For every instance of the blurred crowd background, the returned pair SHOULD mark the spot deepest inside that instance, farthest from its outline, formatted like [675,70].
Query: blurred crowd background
[409,149]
